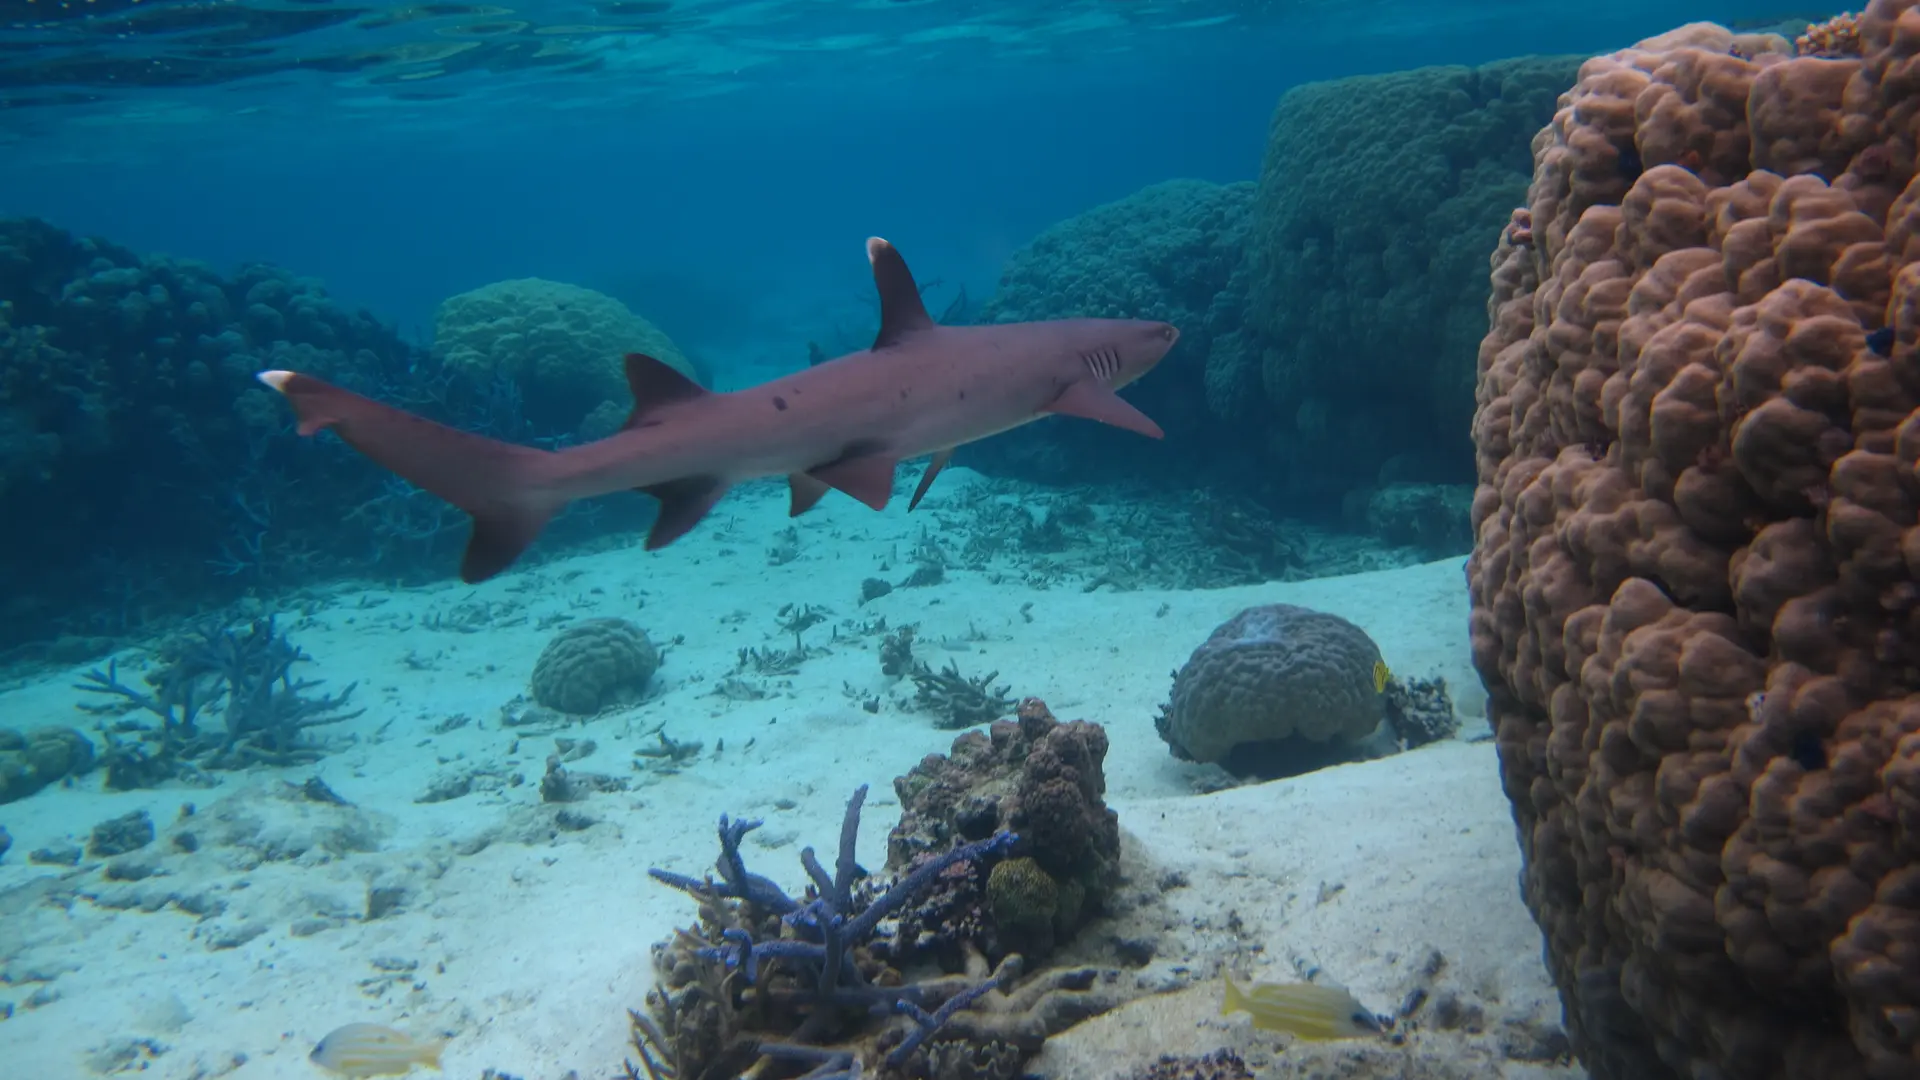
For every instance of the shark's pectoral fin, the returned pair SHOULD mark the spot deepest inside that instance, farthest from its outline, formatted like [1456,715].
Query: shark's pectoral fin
[901,310]
[1090,400]
[683,503]
[655,383]
[866,473]
[804,493]
[939,462]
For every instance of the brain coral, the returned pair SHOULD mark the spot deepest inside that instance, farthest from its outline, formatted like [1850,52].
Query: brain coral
[1696,583]
[561,344]
[1363,269]
[1272,674]
[594,664]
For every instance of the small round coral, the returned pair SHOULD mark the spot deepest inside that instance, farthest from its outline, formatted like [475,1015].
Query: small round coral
[1271,674]
[600,662]
[40,757]
[1022,896]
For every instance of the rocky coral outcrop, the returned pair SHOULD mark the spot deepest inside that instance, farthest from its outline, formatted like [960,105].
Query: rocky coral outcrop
[561,345]
[1696,584]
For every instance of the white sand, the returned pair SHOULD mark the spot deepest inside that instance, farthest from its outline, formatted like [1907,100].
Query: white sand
[529,951]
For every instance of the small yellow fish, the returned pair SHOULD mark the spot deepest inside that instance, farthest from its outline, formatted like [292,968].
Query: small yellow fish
[1380,676]
[1303,1010]
[362,1050]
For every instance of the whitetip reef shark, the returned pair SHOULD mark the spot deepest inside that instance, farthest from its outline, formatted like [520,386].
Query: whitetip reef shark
[847,423]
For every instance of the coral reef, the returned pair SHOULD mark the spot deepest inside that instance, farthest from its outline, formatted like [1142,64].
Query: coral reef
[780,986]
[1835,38]
[40,757]
[562,345]
[162,479]
[244,674]
[1432,518]
[955,700]
[1368,234]
[1034,777]
[594,664]
[1697,572]
[1167,252]
[1275,690]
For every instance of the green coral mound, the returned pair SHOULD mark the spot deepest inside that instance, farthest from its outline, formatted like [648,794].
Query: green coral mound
[1367,267]
[594,665]
[40,757]
[1022,896]
[562,345]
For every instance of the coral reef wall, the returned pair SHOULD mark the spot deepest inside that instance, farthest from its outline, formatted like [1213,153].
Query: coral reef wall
[1365,305]
[1696,585]
[1329,315]
[143,470]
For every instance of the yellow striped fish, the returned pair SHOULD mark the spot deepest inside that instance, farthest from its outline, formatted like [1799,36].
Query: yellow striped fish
[1302,1010]
[361,1050]
[1380,676]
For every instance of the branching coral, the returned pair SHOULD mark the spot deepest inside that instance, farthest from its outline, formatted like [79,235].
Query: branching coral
[775,986]
[245,674]
[957,701]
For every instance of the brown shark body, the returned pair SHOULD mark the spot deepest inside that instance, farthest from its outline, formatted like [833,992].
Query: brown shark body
[847,423]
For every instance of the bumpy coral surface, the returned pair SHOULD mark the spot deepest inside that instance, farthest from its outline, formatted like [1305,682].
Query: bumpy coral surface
[561,344]
[1271,674]
[1039,778]
[594,664]
[1363,298]
[1696,588]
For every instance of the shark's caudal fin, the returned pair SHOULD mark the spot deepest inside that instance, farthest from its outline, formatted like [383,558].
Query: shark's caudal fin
[489,479]
[902,313]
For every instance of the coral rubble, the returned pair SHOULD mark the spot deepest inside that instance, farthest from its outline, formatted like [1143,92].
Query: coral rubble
[1696,590]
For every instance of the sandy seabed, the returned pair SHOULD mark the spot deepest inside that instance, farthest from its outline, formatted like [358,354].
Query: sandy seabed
[526,944]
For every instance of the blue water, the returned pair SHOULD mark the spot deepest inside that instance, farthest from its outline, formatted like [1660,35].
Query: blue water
[737,188]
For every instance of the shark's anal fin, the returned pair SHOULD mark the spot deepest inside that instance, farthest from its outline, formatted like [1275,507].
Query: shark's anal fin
[901,311]
[804,493]
[1090,400]
[862,471]
[939,462]
[655,384]
[683,503]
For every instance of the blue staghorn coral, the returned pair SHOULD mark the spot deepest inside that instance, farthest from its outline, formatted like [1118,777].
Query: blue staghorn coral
[768,961]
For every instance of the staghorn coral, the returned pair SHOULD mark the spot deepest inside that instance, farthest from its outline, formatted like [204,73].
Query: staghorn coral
[594,664]
[956,700]
[1696,583]
[1286,685]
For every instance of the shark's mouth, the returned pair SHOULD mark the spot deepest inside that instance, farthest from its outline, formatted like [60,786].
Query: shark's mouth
[1102,363]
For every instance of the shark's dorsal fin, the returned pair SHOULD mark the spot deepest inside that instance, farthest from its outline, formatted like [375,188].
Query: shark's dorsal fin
[655,383]
[901,312]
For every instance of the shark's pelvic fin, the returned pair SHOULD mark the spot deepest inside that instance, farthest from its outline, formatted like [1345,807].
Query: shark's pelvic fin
[1091,400]
[862,471]
[804,493]
[683,503]
[654,384]
[901,311]
[939,462]
[493,481]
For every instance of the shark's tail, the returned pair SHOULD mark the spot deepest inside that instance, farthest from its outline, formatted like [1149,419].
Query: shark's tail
[494,481]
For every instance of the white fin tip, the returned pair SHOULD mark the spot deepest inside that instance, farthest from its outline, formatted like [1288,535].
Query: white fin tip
[275,379]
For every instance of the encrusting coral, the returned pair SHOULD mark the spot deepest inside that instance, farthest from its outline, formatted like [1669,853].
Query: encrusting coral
[777,986]
[1696,586]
